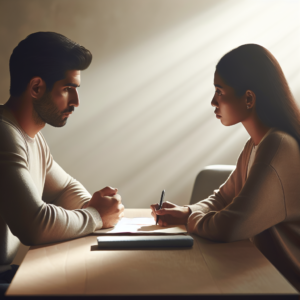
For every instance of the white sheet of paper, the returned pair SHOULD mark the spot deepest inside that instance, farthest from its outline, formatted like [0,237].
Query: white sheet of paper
[141,226]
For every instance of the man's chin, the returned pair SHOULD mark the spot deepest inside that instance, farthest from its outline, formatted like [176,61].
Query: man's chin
[59,124]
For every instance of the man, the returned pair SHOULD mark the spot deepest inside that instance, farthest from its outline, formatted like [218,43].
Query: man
[39,202]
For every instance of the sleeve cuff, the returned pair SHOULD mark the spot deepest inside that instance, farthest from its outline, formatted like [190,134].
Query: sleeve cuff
[96,217]
[202,207]
[193,207]
[193,221]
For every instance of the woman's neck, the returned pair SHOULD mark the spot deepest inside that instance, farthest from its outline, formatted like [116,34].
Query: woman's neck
[256,129]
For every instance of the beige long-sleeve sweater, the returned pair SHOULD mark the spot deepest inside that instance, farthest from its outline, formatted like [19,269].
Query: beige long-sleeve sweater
[39,202]
[264,207]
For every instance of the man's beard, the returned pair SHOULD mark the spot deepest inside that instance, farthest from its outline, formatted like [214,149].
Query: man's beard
[45,111]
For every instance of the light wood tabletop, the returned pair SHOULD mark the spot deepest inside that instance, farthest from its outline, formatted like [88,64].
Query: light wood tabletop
[78,267]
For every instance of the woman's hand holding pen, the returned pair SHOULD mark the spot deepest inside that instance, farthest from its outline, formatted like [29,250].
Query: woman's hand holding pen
[170,214]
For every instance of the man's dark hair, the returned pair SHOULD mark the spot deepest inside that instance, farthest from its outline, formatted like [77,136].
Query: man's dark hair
[47,55]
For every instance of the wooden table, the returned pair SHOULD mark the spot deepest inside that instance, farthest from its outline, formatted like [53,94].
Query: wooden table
[77,267]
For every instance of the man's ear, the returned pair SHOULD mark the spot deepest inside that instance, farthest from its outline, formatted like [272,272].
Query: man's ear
[250,99]
[37,87]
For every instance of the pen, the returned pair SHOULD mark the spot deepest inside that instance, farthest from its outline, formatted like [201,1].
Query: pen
[160,203]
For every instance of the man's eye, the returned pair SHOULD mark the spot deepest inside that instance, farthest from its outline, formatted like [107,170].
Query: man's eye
[67,88]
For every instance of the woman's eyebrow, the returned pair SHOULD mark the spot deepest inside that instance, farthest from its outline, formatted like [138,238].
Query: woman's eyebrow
[217,85]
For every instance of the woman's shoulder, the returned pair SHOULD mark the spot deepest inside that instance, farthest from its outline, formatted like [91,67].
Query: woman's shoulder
[277,138]
[278,144]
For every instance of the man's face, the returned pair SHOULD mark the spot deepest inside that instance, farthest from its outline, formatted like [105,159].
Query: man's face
[55,107]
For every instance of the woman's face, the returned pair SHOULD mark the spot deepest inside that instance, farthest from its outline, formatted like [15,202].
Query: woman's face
[230,109]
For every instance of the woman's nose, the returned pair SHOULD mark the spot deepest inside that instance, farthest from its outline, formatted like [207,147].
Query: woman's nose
[214,103]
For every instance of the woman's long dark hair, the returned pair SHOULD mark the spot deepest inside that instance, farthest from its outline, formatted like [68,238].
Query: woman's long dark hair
[252,67]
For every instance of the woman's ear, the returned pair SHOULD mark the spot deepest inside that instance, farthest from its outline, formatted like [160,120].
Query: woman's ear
[250,99]
[37,87]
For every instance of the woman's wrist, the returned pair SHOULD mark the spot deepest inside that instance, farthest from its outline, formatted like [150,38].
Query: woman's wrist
[187,211]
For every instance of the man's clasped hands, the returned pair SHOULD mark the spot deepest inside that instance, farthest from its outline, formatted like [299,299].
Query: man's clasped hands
[109,205]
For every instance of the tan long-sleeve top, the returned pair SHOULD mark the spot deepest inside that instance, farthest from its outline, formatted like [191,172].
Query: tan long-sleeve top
[264,207]
[39,202]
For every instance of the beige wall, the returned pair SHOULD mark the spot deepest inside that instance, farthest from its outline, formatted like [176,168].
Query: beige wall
[145,122]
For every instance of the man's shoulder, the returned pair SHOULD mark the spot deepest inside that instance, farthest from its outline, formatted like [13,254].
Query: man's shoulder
[9,131]
[14,139]
[7,122]
[11,136]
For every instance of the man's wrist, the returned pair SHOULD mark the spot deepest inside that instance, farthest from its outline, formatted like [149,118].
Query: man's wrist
[85,205]
[96,216]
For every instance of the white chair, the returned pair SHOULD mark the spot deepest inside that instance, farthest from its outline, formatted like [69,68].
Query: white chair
[209,179]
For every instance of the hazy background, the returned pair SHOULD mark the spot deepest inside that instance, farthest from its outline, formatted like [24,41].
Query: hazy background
[145,122]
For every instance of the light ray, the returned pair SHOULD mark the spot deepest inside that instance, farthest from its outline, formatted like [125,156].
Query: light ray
[147,108]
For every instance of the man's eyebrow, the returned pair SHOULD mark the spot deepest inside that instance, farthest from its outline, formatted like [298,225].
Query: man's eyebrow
[72,84]
[219,86]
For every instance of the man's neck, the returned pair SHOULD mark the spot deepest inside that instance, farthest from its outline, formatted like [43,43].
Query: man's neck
[22,109]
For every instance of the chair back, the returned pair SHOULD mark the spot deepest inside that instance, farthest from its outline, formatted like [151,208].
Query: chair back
[209,179]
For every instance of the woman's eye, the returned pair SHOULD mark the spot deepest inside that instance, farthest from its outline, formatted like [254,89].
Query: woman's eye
[218,92]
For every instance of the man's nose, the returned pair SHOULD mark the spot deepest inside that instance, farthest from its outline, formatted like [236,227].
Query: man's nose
[75,99]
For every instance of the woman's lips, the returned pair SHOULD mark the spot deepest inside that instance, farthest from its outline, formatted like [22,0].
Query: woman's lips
[217,115]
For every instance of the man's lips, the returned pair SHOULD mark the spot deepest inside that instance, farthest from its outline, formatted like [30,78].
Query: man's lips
[69,112]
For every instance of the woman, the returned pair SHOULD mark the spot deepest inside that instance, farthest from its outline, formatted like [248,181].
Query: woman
[261,198]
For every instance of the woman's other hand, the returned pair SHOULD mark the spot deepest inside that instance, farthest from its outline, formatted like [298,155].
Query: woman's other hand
[170,214]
